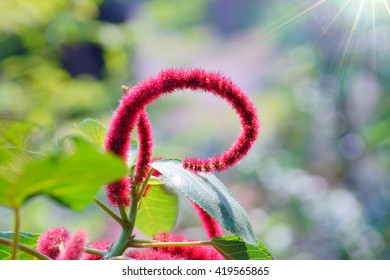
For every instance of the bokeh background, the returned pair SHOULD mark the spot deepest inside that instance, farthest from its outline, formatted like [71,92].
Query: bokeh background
[317,183]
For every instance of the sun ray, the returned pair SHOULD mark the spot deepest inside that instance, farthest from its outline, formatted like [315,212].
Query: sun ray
[350,35]
[387,6]
[373,4]
[334,19]
[293,18]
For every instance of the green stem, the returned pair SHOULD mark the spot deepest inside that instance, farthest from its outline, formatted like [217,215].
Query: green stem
[95,252]
[137,244]
[14,249]
[123,213]
[121,245]
[145,184]
[25,248]
[127,229]
[110,212]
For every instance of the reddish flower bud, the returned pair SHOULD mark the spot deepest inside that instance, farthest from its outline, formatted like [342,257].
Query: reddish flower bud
[51,243]
[74,247]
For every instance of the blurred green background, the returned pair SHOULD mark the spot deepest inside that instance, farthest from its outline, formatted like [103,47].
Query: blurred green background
[316,185]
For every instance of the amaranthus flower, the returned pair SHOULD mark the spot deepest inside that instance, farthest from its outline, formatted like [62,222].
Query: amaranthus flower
[132,105]
[74,247]
[51,243]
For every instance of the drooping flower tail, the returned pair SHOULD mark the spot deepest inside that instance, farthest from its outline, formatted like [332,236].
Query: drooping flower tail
[118,193]
[145,147]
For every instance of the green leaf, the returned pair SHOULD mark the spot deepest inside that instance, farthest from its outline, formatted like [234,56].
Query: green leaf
[211,195]
[93,130]
[26,238]
[15,132]
[234,248]
[73,180]
[158,211]
[155,181]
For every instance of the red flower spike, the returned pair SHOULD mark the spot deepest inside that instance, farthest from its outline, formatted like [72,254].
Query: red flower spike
[211,226]
[145,147]
[52,241]
[187,252]
[99,245]
[118,193]
[166,82]
[74,248]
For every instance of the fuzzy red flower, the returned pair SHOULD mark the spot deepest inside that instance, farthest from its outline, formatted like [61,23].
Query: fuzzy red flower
[74,247]
[133,104]
[146,92]
[118,193]
[52,241]
[145,147]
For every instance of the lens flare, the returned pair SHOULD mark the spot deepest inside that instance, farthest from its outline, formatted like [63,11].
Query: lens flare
[344,27]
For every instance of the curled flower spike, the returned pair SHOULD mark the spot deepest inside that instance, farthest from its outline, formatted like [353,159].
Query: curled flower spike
[134,103]
[52,241]
[212,228]
[74,248]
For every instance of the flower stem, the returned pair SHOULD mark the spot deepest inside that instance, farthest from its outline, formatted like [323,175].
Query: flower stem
[144,185]
[123,213]
[128,225]
[121,245]
[24,248]
[110,212]
[15,244]
[137,244]
[95,252]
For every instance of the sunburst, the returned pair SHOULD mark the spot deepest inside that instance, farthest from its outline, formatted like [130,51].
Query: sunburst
[359,20]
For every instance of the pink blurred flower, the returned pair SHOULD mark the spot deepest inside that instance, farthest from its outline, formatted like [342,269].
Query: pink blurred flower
[74,247]
[52,242]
